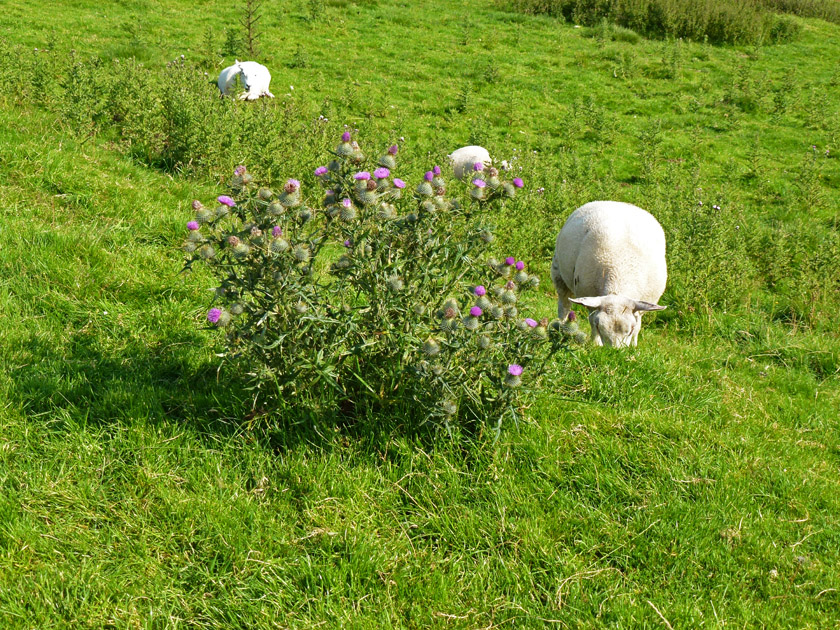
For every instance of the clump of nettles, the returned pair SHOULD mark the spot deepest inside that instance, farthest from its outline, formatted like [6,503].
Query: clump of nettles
[328,294]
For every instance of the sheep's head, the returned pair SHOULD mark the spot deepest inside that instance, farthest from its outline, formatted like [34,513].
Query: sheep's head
[615,320]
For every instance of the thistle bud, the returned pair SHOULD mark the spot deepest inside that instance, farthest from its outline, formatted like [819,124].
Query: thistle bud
[487,236]
[471,323]
[438,181]
[431,347]
[511,312]
[368,197]
[437,370]
[195,237]
[241,250]
[411,217]
[579,337]
[496,312]
[237,309]
[508,297]
[427,206]
[189,247]
[425,189]
[197,205]
[513,380]
[247,178]
[387,211]
[343,262]
[449,325]
[347,212]
[233,240]
[275,208]
[204,215]
[510,190]
[533,282]
[388,161]
[265,194]
[345,149]
[440,201]
[394,283]
[483,303]
[419,309]
[305,215]
[301,307]
[493,263]
[477,193]
[278,246]
[449,408]
[540,332]
[301,253]
[484,342]
[222,211]
[521,277]
[207,252]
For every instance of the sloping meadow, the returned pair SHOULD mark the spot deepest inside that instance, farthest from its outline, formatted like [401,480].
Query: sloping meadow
[692,480]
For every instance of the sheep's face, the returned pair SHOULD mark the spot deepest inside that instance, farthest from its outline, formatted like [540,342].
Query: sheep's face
[615,320]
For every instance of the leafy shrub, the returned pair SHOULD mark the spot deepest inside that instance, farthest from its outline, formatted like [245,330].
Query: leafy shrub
[376,298]
[718,21]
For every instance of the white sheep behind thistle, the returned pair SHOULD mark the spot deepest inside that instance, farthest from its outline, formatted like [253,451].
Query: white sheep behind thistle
[255,78]
[464,159]
[610,256]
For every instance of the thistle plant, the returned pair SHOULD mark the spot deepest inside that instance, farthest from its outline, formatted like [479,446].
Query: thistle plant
[345,300]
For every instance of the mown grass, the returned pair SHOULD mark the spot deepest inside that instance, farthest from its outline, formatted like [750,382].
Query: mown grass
[694,478]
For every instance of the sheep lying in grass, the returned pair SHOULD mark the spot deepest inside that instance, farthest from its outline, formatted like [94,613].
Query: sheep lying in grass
[254,76]
[611,256]
[464,159]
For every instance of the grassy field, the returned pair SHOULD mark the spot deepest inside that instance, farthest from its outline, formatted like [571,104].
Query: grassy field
[691,482]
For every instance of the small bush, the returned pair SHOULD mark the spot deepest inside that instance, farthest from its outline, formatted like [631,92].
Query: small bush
[378,298]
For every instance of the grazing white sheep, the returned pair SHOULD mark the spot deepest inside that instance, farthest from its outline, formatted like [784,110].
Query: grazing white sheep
[611,256]
[254,77]
[463,160]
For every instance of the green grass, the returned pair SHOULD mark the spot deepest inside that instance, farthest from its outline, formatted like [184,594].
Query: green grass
[692,480]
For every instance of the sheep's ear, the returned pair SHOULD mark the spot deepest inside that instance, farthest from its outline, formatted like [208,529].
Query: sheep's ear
[588,302]
[647,306]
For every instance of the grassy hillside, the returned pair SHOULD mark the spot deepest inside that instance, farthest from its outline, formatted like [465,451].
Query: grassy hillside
[691,482]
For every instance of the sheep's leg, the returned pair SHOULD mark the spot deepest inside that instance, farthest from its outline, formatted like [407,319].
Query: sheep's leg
[564,306]
[635,340]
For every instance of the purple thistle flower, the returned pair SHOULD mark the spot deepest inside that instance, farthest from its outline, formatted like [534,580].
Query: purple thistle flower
[321,170]
[436,170]
[398,183]
[239,170]
[480,290]
[531,322]
[346,202]
[479,183]
[361,175]
[476,311]
[429,176]
[192,226]
[478,166]
[347,243]
[381,173]
[293,183]
[197,205]
[276,231]
[520,265]
[213,315]
[225,200]
[517,181]
[345,137]
[510,260]
[514,369]
[393,149]
[572,316]
[509,285]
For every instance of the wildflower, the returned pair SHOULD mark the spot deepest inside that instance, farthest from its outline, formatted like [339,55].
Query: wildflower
[381,173]
[347,243]
[291,185]
[398,183]
[476,311]
[517,181]
[532,323]
[394,283]
[233,240]
[479,183]
[480,290]
[436,170]
[213,315]
[239,170]
[510,286]
[449,407]
[429,176]
[276,231]
[478,166]
[520,265]
[345,137]
[515,370]
[193,225]
[540,190]
[226,201]
[346,202]
[510,260]
[572,316]
[393,149]
[197,205]
[321,170]
[361,175]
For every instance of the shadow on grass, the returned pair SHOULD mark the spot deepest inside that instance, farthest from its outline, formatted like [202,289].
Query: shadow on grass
[172,382]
